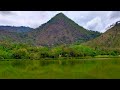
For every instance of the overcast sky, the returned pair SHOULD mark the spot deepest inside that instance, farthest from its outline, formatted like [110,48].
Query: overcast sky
[92,20]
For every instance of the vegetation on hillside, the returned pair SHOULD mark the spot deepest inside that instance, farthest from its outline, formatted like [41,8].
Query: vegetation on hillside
[62,30]
[110,39]
[58,30]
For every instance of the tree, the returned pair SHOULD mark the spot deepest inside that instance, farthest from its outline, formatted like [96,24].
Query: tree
[20,53]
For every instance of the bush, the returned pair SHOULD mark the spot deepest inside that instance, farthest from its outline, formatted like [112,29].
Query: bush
[5,54]
[55,52]
[20,54]
[1,58]
[33,56]
[82,51]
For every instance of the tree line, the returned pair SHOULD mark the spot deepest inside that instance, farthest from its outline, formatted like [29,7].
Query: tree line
[25,51]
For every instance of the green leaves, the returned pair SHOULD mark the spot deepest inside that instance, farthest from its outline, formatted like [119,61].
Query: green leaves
[20,53]
[24,51]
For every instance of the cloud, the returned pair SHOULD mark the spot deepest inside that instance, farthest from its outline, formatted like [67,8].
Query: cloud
[94,24]
[114,14]
[5,12]
[93,20]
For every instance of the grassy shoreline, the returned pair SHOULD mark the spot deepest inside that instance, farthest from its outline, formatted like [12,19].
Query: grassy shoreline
[69,58]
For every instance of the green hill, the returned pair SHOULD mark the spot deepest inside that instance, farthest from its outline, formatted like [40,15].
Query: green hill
[109,39]
[61,30]
[58,30]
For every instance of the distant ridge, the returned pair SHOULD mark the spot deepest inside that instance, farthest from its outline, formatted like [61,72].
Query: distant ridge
[109,39]
[15,28]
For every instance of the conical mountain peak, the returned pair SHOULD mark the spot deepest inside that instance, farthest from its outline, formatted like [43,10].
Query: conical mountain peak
[59,18]
[61,30]
[60,15]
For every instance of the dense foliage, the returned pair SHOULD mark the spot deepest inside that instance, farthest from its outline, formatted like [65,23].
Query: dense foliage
[24,51]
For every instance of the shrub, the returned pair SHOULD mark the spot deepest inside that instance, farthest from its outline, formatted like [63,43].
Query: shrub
[1,58]
[20,54]
[81,51]
[34,56]
[5,54]
[55,52]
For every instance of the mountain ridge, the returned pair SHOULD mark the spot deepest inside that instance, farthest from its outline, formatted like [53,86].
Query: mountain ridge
[58,30]
[63,29]
[109,39]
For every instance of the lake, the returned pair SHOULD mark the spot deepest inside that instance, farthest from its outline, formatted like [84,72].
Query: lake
[90,68]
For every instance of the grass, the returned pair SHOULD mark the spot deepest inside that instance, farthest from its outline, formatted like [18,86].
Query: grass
[107,56]
[93,68]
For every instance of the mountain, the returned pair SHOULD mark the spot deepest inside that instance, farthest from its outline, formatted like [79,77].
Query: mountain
[109,39]
[14,34]
[61,30]
[58,30]
[16,29]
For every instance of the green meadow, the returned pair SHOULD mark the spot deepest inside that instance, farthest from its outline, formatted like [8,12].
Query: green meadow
[92,68]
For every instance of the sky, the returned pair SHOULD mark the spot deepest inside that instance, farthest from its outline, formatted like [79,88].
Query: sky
[91,20]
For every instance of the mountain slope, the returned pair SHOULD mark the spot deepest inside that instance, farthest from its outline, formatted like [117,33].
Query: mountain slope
[61,30]
[15,29]
[14,34]
[109,39]
[58,30]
